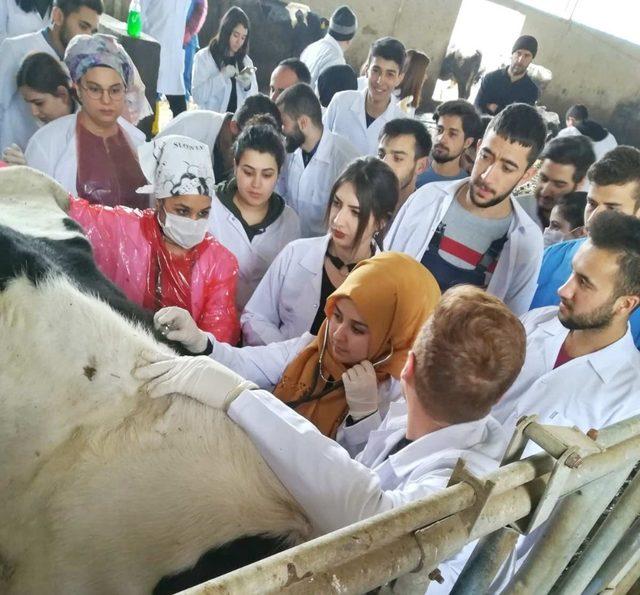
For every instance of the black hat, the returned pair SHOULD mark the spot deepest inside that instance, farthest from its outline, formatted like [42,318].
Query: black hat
[343,24]
[526,42]
[339,77]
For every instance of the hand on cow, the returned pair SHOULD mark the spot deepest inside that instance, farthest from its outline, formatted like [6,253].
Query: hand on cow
[361,390]
[13,155]
[176,324]
[200,378]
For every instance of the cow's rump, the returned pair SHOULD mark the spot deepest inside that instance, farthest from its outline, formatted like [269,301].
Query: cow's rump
[104,490]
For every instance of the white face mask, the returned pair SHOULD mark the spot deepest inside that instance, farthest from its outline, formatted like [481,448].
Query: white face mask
[185,232]
[552,236]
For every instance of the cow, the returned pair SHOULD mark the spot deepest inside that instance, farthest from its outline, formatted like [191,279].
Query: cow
[104,490]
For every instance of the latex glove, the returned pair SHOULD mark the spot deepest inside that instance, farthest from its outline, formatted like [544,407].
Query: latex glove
[361,389]
[13,155]
[176,324]
[229,71]
[244,78]
[200,378]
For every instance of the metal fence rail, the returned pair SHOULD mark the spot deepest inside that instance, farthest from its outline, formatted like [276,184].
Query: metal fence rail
[409,542]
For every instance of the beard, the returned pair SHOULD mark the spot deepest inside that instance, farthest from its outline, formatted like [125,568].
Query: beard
[65,34]
[294,140]
[444,157]
[597,319]
[490,203]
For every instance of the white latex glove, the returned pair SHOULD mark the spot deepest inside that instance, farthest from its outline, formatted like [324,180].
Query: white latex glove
[13,155]
[176,324]
[200,378]
[244,78]
[229,71]
[361,389]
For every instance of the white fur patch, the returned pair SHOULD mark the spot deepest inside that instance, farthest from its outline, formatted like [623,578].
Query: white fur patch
[102,489]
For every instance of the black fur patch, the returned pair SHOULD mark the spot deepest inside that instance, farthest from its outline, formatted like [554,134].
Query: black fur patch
[41,258]
[219,561]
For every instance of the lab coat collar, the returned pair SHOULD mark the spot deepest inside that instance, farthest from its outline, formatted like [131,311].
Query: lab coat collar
[359,103]
[323,152]
[313,260]
[331,41]
[458,436]
[605,362]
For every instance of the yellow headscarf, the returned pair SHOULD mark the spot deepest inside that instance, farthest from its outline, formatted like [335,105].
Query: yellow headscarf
[394,294]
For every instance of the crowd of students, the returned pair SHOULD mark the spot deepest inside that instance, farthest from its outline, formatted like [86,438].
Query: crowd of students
[349,286]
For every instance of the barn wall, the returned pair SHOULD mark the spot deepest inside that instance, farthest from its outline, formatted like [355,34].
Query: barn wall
[589,67]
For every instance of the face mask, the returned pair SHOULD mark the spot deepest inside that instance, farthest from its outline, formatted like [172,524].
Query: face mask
[185,232]
[552,236]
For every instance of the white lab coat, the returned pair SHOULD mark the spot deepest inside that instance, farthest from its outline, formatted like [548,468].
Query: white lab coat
[307,189]
[515,278]
[600,148]
[17,124]
[211,89]
[334,490]
[346,116]
[53,149]
[591,391]
[165,21]
[253,257]
[14,21]
[201,125]
[265,364]
[321,54]
[286,301]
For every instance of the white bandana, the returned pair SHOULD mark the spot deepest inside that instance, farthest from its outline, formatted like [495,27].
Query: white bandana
[176,165]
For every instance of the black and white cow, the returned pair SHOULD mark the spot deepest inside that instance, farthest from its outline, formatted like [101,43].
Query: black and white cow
[103,490]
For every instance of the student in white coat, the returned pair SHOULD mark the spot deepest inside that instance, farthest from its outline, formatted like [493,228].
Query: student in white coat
[361,115]
[92,153]
[18,17]
[316,157]
[450,379]
[291,297]
[45,86]
[329,51]
[250,219]
[472,231]
[582,368]
[68,18]
[219,130]
[223,73]
[165,21]
[353,366]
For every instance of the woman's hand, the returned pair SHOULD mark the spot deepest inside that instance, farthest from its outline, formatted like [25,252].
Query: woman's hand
[200,378]
[229,71]
[361,390]
[13,155]
[176,324]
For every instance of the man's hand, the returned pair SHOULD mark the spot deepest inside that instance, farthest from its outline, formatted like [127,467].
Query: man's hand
[200,378]
[361,390]
[176,324]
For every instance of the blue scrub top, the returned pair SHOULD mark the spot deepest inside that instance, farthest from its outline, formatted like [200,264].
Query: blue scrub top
[556,269]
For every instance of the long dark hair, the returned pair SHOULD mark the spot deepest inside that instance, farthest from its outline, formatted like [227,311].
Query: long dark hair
[219,45]
[415,69]
[377,189]
[42,6]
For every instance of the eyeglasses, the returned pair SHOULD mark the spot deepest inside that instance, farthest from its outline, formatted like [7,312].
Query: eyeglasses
[115,92]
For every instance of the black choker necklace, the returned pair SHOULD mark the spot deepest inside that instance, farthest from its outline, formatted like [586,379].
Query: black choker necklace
[339,264]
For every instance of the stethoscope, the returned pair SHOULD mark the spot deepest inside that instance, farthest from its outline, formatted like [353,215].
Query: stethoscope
[331,384]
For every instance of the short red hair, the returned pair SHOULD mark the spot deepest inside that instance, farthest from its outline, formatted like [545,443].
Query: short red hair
[467,355]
